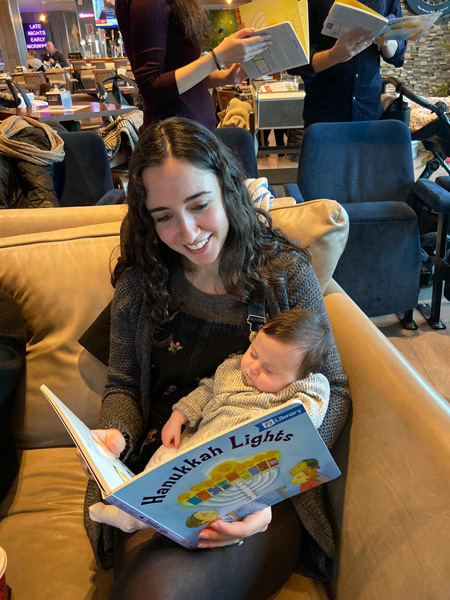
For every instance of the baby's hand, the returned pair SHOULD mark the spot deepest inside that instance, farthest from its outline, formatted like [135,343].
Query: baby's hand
[171,432]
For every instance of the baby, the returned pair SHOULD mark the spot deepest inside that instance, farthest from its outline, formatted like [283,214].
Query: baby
[281,364]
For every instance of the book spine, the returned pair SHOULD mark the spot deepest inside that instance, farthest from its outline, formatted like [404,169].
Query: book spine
[153,524]
[238,17]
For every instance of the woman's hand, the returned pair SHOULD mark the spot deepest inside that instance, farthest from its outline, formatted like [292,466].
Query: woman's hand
[221,533]
[232,76]
[113,440]
[241,46]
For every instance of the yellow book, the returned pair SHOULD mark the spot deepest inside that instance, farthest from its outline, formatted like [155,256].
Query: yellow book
[287,23]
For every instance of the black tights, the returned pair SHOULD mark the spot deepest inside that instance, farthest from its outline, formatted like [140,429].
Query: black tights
[151,566]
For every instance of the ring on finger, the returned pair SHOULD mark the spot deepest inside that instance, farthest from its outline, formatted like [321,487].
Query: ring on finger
[240,542]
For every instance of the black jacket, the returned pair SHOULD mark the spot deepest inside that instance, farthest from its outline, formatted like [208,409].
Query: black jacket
[24,184]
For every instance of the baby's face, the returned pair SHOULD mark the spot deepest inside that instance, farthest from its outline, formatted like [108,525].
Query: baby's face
[270,365]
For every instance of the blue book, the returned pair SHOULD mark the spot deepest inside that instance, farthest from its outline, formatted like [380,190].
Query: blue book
[249,467]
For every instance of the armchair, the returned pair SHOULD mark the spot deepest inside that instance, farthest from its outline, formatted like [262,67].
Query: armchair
[368,168]
[390,504]
[84,177]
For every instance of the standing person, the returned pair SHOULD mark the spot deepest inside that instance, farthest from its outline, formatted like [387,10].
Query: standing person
[53,56]
[198,266]
[163,40]
[343,81]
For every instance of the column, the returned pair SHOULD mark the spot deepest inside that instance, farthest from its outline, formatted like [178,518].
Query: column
[12,38]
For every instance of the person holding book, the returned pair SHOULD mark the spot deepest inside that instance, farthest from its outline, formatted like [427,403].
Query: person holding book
[163,40]
[343,81]
[282,363]
[199,264]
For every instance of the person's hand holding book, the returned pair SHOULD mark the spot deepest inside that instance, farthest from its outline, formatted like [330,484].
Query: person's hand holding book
[112,439]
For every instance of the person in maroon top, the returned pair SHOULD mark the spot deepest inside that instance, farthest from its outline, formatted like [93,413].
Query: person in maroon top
[163,41]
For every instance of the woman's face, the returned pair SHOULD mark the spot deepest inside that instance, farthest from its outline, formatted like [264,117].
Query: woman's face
[187,208]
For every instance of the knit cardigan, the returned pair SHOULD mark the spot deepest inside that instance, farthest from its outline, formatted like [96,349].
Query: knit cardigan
[126,405]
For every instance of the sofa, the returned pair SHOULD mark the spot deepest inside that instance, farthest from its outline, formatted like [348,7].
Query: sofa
[389,507]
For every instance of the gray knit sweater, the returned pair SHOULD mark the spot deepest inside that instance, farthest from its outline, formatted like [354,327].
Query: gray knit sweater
[126,403]
[224,401]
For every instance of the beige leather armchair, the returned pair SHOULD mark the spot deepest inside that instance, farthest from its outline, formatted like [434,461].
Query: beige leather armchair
[390,506]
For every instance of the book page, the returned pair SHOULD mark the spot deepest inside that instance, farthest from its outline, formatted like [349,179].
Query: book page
[408,28]
[107,469]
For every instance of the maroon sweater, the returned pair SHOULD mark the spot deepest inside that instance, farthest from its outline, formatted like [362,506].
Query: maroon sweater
[156,47]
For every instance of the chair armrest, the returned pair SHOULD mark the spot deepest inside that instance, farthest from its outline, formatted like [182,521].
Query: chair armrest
[444,182]
[433,195]
[112,197]
[292,189]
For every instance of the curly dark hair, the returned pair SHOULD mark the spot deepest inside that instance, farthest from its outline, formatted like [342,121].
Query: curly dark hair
[250,243]
[192,19]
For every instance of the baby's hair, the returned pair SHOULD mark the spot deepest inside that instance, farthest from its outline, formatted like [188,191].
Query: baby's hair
[32,53]
[307,330]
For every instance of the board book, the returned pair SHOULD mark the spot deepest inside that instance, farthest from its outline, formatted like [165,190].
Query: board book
[259,463]
[287,23]
[346,15]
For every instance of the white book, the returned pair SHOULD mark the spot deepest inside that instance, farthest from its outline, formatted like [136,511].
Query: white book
[285,53]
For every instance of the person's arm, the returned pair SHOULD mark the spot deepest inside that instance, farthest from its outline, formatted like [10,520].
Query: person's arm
[192,405]
[344,49]
[121,403]
[392,51]
[149,26]
[236,48]
[314,393]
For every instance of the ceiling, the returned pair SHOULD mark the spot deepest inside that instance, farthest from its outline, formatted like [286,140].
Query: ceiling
[70,5]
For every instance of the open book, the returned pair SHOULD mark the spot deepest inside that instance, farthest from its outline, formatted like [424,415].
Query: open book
[287,23]
[267,459]
[346,15]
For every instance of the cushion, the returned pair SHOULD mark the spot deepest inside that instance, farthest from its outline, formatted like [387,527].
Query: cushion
[32,220]
[61,280]
[322,225]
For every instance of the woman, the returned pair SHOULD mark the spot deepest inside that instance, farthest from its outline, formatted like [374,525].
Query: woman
[198,262]
[163,40]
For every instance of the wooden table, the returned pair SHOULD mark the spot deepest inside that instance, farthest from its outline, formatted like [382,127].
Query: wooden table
[70,117]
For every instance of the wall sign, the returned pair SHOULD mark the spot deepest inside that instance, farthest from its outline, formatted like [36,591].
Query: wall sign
[429,6]
[35,36]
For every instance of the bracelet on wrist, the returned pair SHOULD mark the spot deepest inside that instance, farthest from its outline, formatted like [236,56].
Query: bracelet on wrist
[213,54]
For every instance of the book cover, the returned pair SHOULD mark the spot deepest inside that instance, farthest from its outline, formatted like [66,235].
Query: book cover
[286,52]
[289,49]
[346,15]
[257,464]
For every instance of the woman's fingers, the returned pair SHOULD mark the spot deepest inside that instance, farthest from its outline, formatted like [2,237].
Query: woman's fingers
[221,533]
[241,46]
[111,438]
